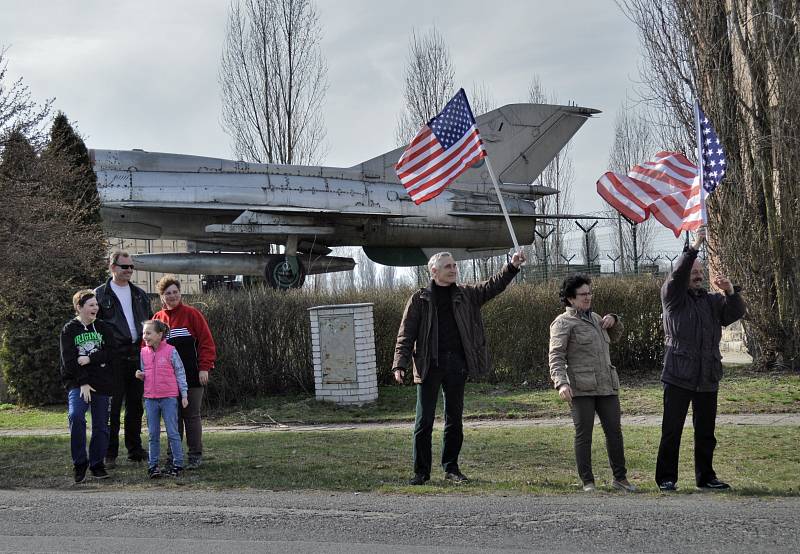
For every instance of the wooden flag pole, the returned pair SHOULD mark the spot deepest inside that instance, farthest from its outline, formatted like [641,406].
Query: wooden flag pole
[502,203]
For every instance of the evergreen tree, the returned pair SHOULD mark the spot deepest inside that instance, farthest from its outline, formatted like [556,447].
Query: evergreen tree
[79,188]
[50,248]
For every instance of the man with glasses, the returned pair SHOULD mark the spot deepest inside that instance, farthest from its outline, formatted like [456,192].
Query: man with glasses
[124,306]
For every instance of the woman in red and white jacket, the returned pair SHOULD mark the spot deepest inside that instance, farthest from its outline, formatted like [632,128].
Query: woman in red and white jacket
[191,337]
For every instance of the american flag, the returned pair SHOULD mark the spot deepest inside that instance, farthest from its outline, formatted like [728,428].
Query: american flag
[667,187]
[714,163]
[444,149]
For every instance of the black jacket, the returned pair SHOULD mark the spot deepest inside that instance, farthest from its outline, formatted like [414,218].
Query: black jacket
[416,339]
[96,341]
[692,329]
[111,312]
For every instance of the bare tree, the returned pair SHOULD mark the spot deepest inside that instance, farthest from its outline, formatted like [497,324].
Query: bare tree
[559,175]
[274,78]
[740,59]
[481,99]
[18,111]
[633,144]
[429,78]
[367,271]
[388,277]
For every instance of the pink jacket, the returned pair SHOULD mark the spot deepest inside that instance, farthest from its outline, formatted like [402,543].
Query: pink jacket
[163,370]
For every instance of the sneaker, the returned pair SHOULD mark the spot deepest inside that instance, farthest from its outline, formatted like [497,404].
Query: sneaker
[80,472]
[154,472]
[110,463]
[456,477]
[419,479]
[194,462]
[667,486]
[623,485]
[589,487]
[137,456]
[174,471]
[714,485]
[99,472]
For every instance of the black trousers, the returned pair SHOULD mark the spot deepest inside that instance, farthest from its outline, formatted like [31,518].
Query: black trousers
[451,377]
[607,408]
[704,416]
[127,389]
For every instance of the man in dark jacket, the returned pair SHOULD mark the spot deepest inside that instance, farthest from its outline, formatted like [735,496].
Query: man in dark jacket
[443,328]
[124,306]
[692,365]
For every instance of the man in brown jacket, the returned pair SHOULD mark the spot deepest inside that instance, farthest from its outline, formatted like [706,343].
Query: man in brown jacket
[442,328]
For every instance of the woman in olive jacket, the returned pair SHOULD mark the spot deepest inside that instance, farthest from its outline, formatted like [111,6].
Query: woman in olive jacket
[581,370]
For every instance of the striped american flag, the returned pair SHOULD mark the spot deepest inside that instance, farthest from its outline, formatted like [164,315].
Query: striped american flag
[444,149]
[667,187]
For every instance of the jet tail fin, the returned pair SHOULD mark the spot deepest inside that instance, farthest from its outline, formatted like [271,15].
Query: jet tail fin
[520,139]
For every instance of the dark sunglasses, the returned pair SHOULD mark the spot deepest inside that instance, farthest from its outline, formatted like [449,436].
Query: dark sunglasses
[124,266]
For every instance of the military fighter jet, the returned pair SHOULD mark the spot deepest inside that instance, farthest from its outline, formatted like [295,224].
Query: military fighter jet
[233,214]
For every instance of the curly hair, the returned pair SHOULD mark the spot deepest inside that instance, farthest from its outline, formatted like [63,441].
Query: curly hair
[166,282]
[570,285]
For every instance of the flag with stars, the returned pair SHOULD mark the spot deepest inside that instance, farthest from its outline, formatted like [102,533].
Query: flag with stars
[713,156]
[444,149]
[670,187]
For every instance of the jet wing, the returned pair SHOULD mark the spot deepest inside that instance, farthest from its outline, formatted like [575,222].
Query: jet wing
[193,206]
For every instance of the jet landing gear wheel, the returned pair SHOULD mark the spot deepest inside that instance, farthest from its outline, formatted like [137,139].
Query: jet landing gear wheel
[284,272]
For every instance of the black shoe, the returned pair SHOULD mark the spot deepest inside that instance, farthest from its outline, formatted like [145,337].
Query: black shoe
[419,479]
[456,477]
[137,456]
[667,486]
[99,472]
[154,472]
[194,462]
[174,471]
[111,463]
[80,472]
[714,485]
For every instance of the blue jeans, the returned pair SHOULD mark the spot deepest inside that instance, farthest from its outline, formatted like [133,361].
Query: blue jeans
[167,408]
[76,416]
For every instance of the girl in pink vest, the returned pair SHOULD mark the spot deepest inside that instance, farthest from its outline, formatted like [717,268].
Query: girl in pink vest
[164,378]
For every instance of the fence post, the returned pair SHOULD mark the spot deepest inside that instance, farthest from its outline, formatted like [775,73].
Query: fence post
[671,260]
[586,240]
[544,247]
[614,262]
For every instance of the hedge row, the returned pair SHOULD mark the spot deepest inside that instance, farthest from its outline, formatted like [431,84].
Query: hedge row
[264,345]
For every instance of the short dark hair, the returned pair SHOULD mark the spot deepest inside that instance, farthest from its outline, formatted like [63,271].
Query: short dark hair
[570,285]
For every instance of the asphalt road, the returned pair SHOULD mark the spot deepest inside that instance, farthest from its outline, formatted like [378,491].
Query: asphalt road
[267,521]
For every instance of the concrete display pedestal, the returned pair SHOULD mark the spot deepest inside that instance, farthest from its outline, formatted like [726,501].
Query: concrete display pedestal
[343,349]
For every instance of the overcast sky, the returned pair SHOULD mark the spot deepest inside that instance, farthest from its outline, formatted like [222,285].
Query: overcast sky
[144,74]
